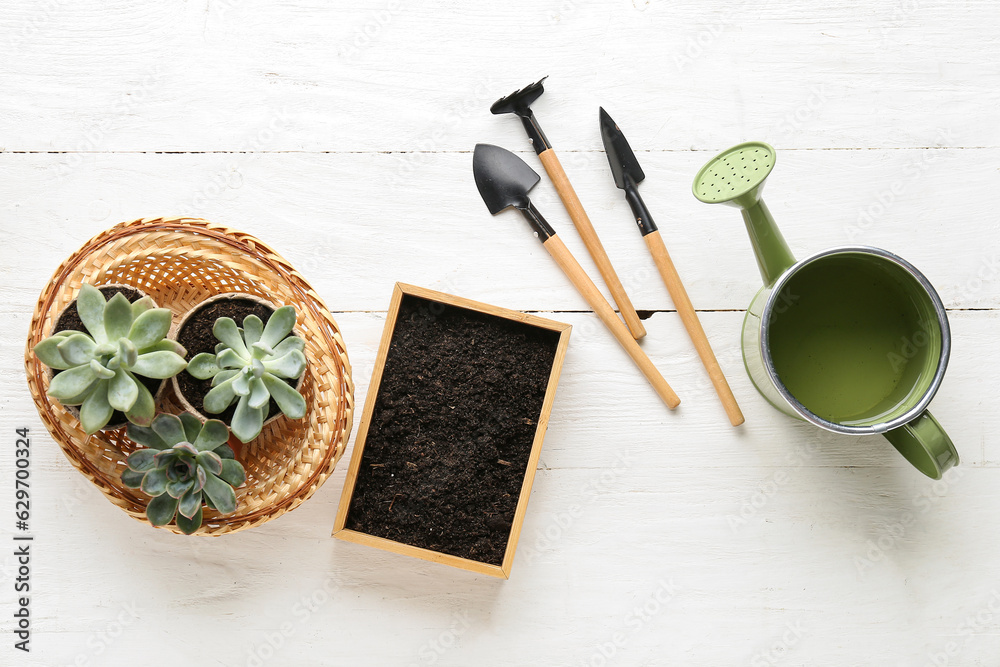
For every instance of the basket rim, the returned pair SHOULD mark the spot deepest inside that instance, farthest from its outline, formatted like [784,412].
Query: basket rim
[259,251]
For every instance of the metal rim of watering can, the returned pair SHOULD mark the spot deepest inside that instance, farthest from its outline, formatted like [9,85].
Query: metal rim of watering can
[802,410]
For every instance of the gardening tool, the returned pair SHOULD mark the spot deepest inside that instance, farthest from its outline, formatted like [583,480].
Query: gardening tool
[518,103]
[504,181]
[628,174]
[853,339]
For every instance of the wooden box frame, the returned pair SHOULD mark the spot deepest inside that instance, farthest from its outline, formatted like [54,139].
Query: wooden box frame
[502,570]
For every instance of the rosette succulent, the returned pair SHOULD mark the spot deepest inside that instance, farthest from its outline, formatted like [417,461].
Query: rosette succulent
[98,369]
[187,464]
[249,368]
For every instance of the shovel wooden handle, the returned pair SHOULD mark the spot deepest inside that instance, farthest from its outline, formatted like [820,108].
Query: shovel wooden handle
[589,290]
[590,239]
[690,319]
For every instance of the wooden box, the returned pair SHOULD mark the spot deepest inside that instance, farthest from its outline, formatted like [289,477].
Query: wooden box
[435,314]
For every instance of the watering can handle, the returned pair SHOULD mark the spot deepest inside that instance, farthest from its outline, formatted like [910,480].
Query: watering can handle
[925,444]
[773,255]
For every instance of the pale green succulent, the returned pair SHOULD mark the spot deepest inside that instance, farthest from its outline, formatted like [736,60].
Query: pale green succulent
[187,464]
[98,371]
[248,368]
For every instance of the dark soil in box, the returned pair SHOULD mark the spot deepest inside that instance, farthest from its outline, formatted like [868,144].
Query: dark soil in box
[196,336]
[70,320]
[451,432]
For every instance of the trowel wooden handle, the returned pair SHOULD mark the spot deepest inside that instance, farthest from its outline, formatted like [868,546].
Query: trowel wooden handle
[590,239]
[690,319]
[589,290]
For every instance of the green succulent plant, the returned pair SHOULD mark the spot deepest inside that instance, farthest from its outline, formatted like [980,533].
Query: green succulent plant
[249,367]
[187,464]
[99,368]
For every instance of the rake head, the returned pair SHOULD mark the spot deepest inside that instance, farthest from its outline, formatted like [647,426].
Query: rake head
[519,101]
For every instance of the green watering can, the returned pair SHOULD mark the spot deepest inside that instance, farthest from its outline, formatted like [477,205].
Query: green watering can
[852,339]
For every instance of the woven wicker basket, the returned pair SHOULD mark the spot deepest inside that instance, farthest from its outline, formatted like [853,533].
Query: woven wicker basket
[179,262]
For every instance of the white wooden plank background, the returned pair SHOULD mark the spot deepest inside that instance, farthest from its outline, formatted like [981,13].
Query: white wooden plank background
[342,134]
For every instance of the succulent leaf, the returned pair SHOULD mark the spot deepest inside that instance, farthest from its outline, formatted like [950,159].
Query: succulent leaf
[241,384]
[289,344]
[77,349]
[189,526]
[140,306]
[123,391]
[290,401]
[81,397]
[100,371]
[48,353]
[155,483]
[65,333]
[213,435]
[223,496]
[72,382]
[192,426]
[141,460]
[170,428]
[128,353]
[203,366]
[210,461]
[145,436]
[222,376]
[261,351]
[161,509]
[132,479]
[247,421]
[166,345]
[117,317]
[233,473]
[178,488]
[144,408]
[259,395]
[90,305]
[230,358]
[96,411]
[190,502]
[158,365]
[186,449]
[219,398]
[290,366]
[165,459]
[150,327]
[225,452]
[278,326]
[253,327]
[225,330]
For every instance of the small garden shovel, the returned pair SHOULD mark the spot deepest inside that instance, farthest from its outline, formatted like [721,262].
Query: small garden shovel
[504,181]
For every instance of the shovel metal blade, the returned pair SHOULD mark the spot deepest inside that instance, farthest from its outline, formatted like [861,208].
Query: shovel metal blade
[503,178]
[620,156]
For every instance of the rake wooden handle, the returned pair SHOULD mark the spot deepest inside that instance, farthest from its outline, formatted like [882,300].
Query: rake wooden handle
[589,290]
[590,239]
[690,319]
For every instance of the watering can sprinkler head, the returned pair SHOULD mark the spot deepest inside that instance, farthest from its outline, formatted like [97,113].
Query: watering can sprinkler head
[736,177]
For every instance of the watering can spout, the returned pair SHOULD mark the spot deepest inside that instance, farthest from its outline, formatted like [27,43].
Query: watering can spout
[736,177]
[773,255]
